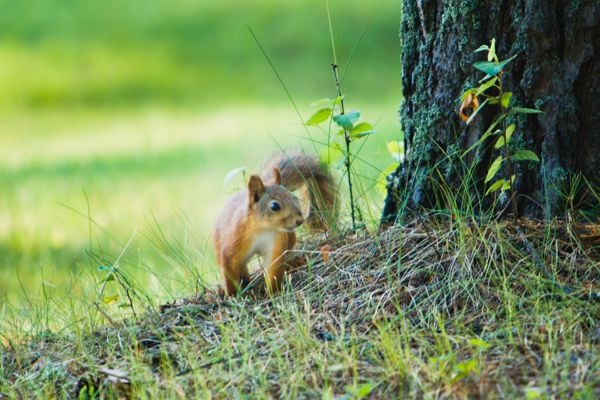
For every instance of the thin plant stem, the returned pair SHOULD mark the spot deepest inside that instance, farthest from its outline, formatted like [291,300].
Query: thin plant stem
[348,161]
[513,198]
[331,33]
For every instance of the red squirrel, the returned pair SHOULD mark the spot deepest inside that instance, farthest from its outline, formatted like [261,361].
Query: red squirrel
[262,218]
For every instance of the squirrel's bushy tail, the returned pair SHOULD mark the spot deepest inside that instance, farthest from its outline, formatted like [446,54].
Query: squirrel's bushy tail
[319,192]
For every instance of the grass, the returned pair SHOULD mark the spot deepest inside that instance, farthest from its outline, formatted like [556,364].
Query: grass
[155,171]
[438,310]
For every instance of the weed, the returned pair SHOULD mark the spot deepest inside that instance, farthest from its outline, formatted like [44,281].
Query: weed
[493,68]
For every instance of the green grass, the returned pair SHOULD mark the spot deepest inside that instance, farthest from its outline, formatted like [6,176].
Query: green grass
[158,172]
[442,310]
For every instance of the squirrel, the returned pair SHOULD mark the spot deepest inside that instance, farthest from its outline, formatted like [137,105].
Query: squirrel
[262,218]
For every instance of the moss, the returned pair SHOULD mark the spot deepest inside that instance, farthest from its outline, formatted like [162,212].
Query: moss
[448,18]
[573,6]
[468,12]
[559,176]
[467,17]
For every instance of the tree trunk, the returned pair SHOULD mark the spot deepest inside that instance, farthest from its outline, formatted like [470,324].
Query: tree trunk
[557,70]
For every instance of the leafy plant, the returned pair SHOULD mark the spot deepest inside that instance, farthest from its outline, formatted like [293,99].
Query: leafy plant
[349,124]
[491,90]
[113,273]
[350,128]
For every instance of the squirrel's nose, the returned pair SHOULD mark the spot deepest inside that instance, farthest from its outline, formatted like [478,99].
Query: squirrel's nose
[299,221]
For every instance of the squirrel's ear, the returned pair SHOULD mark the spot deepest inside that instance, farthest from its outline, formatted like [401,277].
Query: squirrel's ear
[277,175]
[255,188]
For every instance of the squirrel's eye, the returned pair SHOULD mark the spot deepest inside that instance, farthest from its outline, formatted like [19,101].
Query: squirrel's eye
[275,206]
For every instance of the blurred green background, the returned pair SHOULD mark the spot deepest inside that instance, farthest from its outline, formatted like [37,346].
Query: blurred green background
[121,119]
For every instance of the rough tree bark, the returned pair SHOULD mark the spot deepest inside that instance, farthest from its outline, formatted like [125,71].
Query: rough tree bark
[557,71]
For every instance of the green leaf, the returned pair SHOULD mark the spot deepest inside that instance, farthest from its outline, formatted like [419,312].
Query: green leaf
[396,149]
[327,102]
[110,299]
[505,101]
[364,390]
[109,278]
[487,133]
[361,130]
[464,369]
[480,343]
[361,134]
[360,391]
[507,184]
[494,168]
[523,155]
[522,110]
[492,51]
[477,111]
[509,132]
[485,86]
[322,103]
[499,143]
[483,47]
[492,68]
[496,186]
[533,393]
[347,121]
[322,115]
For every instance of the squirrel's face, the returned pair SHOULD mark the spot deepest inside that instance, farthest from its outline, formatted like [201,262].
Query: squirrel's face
[278,209]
